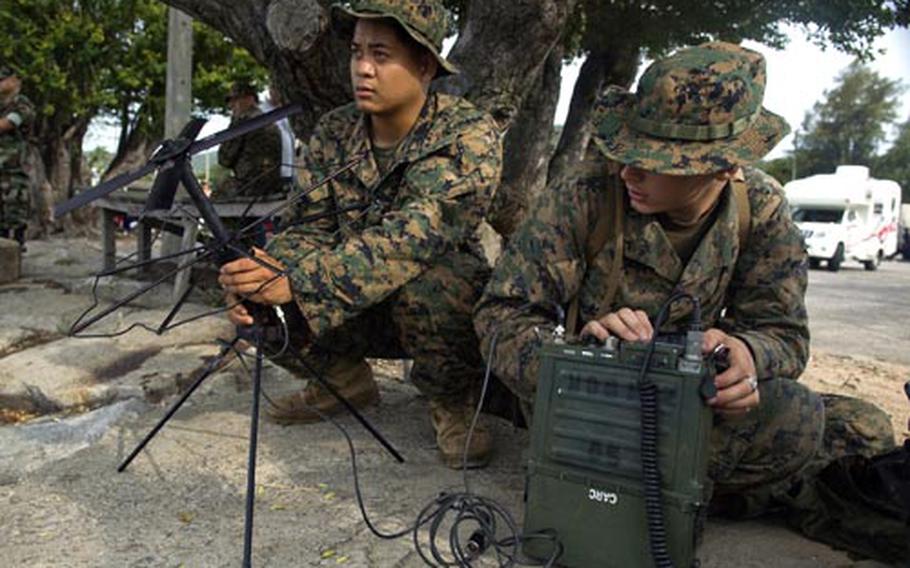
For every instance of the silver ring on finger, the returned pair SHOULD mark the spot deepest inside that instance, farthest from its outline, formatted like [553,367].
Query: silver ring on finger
[753,382]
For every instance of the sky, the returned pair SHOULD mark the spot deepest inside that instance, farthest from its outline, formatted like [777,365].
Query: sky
[797,78]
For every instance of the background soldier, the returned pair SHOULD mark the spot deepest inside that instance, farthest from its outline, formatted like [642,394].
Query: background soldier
[16,114]
[690,215]
[253,158]
[397,278]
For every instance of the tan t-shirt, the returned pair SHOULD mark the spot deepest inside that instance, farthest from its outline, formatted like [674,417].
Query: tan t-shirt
[686,238]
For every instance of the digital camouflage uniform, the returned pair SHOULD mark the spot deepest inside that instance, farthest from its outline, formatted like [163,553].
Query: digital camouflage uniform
[14,182]
[253,158]
[399,278]
[753,290]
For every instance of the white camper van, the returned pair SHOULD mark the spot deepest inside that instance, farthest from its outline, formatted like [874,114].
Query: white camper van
[846,215]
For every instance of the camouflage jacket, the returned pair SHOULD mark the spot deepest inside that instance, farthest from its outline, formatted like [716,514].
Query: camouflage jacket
[256,155]
[756,294]
[12,144]
[429,203]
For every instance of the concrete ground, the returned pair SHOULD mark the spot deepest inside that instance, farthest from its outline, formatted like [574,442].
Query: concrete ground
[857,312]
[181,502]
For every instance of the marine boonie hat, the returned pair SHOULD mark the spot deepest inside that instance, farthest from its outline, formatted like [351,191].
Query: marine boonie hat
[6,72]
[241,89]
[426,21]
[698,111]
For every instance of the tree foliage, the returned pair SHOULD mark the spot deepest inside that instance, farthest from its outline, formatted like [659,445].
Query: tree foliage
[895,163]
[87,58]
[849,125]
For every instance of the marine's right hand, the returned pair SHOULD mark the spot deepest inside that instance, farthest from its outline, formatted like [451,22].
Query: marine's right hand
[625,323]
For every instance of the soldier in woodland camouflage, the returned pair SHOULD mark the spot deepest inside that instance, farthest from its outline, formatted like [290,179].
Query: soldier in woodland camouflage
[254,158]
[671,167]
[16,115]
[389,265]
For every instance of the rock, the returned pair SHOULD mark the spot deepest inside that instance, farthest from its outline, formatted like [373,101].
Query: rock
[10,261]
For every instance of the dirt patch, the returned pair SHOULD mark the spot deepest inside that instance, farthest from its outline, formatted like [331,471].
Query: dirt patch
[8,416]
[126,364]
[876,381]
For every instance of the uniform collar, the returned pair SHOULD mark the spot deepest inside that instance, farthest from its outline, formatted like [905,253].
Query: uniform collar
[426,136]
[648,244]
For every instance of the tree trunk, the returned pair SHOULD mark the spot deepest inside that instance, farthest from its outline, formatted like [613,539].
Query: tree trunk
[615,66]
[42,194]
[527,149]
[134,148]
[501,50]
[63,164]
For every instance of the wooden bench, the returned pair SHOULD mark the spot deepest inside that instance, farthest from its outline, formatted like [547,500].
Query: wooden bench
[181,220]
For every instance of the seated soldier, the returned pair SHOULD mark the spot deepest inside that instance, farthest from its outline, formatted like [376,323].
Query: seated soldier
[692,216]
[255,158]
[393,268]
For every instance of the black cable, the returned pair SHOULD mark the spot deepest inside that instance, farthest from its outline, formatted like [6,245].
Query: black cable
[651,477]
[463,511]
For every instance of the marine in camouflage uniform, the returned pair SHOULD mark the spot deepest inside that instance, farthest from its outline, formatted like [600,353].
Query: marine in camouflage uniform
[391,266]
[697,112]
[16,115]
[253,158]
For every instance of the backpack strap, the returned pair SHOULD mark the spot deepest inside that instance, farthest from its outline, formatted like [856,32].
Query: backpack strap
[610,213]
[743,208]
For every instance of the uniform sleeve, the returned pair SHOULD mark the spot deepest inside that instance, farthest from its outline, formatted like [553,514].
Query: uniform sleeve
[21,115]
[766,306]
[229,152]
[448,194]
[542,268]
[264,158]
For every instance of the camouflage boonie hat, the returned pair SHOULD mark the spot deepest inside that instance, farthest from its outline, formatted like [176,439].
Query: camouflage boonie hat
[241,89]
[698,111]
[426,21]
[6,72]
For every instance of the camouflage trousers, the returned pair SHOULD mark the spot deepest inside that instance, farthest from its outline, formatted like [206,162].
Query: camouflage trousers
[757,455]
[778,458]
[427,320]
[14,200]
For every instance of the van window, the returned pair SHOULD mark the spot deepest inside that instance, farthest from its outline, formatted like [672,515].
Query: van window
[804,215]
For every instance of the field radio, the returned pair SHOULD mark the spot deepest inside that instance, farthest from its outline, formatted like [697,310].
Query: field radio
[587,473]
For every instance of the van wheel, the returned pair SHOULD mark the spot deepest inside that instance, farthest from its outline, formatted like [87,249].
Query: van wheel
[837,258]
[873,264]
[815,262]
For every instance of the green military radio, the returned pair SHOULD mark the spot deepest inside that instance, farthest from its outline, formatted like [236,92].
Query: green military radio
[593,431]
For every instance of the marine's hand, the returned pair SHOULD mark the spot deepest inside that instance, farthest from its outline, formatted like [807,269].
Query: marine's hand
[625,323]
[238,314]
[247,278]
[737,387]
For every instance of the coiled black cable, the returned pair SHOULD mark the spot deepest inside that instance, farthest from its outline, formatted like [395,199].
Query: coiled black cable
[648,399]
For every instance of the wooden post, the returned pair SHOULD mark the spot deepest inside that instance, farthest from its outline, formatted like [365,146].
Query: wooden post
[178,90]
[179,105]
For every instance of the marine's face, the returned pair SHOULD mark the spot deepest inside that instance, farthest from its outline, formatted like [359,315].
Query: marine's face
[387,74]
[652,193]
[241,104]
[10,86]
